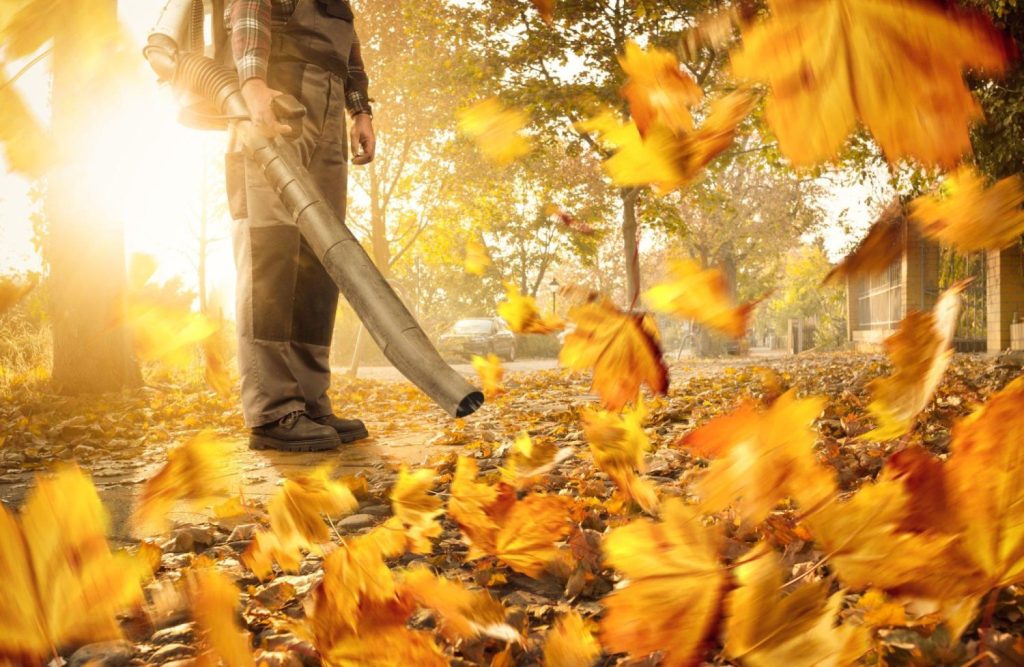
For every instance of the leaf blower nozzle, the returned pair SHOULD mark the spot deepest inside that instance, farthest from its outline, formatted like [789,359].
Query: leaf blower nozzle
[385,317]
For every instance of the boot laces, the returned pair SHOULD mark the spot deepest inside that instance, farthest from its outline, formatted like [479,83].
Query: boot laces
[289,419]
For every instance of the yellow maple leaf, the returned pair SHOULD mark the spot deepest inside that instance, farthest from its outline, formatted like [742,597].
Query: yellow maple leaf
[657,89]
[834,63]
[528,459]
[570,643]
[969,216]
[490,371]
[672,590]
[618,444]
[522,315]
[215,598]
[701,295]
[762,457]
[919,351]
[462,613]
[765,628]
[496,130]
[193,472]
[477,259]
[416,508]
[623,349]
[61,583]
[662,158]
[520,533]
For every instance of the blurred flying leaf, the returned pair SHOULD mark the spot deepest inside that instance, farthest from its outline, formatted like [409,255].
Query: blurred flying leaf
[520,533]
[876,252]
[27,146]
[713,31]
[497,131]
[701,295]
[570,643]
[11,292]
[529,459]
[765,628]
[216,353]
[546,9]
[193,472]
[520,311]
[970,217]
[672,586]
[61,583]
[919,351]
[568,220]
[477,259]
[416,508]
[761,457]
[623,349]
[661,158]
[835,63]
[618,444]
[490,372]
[657,89]
[215,598]
[461,613]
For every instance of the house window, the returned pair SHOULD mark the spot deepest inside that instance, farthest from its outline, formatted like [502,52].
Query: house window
[879,299]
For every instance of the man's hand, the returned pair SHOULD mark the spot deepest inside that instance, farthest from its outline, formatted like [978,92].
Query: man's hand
[363,141]
[258,96]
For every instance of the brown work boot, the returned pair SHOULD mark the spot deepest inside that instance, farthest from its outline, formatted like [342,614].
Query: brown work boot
[349,430]
[295,432]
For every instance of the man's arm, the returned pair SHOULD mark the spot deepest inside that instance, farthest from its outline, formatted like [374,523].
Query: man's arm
[357,101]
[249,22]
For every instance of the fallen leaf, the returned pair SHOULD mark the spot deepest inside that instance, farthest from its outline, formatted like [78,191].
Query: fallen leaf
[701,295]
[623,349]
[835,63]
[970,217]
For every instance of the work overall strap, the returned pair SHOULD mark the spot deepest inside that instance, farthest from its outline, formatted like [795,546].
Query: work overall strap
[319,32]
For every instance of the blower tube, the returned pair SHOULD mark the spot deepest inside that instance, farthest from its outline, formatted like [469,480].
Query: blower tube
[383,314]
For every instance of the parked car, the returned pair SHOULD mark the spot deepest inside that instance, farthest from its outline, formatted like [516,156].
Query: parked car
[479,335]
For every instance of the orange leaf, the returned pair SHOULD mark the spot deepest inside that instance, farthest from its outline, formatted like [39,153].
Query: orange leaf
[546,9]
[834,63]
[970,217]
[760,458]
[876,252]
[529,459]
[701,295]
[672,590]
[526,540]
[919,352]
[623,350]
[462,613]
[657,89]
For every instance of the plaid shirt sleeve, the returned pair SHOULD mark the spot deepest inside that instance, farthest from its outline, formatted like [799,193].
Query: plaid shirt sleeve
[249,22]
[357,98]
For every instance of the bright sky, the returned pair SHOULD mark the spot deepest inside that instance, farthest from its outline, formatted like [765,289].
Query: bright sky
[159,169]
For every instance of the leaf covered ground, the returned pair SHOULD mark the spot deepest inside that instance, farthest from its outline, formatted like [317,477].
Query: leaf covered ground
[497,543]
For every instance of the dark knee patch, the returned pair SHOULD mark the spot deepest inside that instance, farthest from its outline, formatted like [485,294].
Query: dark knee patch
[316,301]
[275,252]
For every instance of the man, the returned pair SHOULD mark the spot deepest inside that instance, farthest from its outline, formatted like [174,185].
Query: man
[286,300]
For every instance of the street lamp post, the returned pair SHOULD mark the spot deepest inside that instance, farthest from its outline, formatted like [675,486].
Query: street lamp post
[554,294]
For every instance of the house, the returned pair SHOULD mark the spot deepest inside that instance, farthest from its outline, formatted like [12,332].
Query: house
[912,273]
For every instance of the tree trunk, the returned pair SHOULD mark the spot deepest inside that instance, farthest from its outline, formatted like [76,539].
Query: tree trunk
[631,253]
[85,245]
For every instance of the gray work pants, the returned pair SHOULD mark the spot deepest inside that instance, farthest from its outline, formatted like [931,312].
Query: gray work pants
[286,300]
